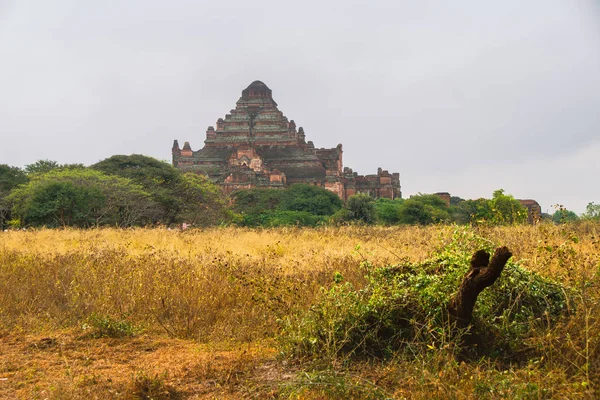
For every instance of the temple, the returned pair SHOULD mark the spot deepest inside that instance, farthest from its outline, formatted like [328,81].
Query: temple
[256,146]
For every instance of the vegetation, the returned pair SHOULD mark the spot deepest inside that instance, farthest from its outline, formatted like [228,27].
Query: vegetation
[137,190]
[81,198]
[333,312]
[562,216]
[120,191]
[301,205]
[592,212]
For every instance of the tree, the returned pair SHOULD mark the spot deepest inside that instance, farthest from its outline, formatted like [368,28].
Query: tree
[147,171]
[198,201]
[592,211]
[253,204]
[81,198]
[423,209]
[501,209]
[312,199]
[472,211]
[360,207]
[41,166]
[10,177]
[181,197]
[387,210]
[505,210]
[455,200]
[300,204]
[562,215]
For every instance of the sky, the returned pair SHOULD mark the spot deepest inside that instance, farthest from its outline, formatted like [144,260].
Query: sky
[463,97]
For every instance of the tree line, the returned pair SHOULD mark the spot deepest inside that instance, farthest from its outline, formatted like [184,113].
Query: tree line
[137,190]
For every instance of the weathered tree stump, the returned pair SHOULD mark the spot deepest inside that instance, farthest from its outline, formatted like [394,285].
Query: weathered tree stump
[482,274]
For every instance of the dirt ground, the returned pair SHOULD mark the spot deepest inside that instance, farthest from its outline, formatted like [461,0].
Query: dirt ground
[70,365]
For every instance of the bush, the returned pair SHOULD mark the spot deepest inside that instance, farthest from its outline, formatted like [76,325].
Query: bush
[80,197]
[107,326]
[404,307]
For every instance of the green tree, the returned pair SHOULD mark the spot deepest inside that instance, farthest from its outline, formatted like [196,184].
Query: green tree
[10,178]
[300,204]
[562,215]
[81,198]
[455,200]
[253,204]
[359,207]
[147,171]
[423,209]
[472,211]
[41,166]
[181,197]
[198,201]
[592,211]
[387,211]
[505,210]
[312,199]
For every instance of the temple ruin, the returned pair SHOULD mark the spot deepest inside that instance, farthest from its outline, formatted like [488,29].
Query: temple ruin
[255,145]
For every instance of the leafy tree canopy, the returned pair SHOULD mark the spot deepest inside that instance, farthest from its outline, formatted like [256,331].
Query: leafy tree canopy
[181,197]
[505,210]
[82,198]
[592,211]
[312,199]
[562,215]
[387,211]
[147,171]
[43,166]
[359,207]
[424,209]
[11,177]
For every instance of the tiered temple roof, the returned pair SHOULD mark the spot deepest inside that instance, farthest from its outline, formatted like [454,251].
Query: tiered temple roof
[256,145]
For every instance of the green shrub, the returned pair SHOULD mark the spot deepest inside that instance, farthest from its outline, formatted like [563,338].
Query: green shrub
[107,326]
[404,307]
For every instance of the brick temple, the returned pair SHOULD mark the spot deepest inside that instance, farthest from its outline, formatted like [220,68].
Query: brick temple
[257,146]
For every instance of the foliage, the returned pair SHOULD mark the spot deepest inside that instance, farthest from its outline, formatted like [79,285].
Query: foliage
[10,177]
[256,200]
[592,211]
[505,210]
[290,218]
[455,200]
[311,199]
[359,208]
[501,209]
[387,211]
[472,211]
[44,166]
[562,215]
[405,306]
[424,209]
[181,197]
[147,171]
[107,326]
[41,166]
[197,200]
[79,197]
[300,204]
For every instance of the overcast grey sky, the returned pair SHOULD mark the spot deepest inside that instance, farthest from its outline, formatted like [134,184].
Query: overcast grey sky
[458,96]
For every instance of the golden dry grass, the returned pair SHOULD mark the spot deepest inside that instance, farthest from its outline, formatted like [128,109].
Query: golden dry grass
[204,306]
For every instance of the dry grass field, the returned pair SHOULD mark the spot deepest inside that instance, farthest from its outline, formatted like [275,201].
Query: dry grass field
[159,314]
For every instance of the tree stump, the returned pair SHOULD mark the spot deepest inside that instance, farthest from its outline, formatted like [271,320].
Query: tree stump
[482,274]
